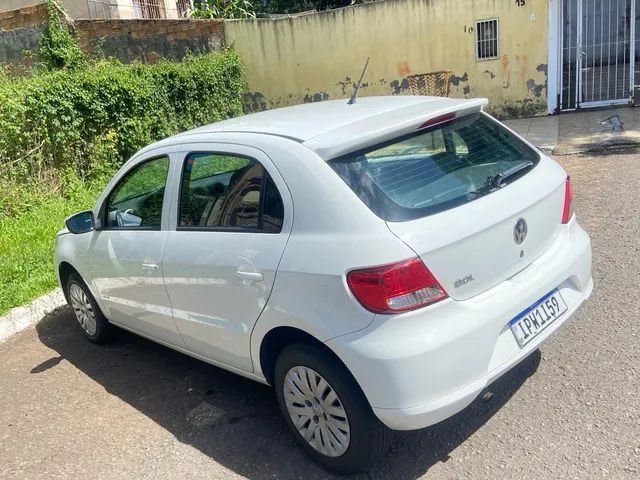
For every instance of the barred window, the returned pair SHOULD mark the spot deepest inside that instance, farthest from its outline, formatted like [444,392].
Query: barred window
[183,7]
[487,39]
[149,9]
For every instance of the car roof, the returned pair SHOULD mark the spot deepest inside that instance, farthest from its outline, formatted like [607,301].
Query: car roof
[324,126]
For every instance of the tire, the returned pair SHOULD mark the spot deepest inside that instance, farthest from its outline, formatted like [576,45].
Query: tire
[91,320]
[349,450]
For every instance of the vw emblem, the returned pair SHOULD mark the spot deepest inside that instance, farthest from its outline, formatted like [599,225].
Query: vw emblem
[520,231]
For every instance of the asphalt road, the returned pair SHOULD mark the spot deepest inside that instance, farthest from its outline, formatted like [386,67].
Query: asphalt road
[132,409]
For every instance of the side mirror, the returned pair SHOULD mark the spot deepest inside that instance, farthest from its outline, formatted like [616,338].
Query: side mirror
[82,222]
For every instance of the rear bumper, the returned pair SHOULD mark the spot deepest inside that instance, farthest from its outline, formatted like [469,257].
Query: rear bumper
[419,368]
[438,410]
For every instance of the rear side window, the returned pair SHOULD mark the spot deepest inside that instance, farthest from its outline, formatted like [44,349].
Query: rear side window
[436,169]
[221,191]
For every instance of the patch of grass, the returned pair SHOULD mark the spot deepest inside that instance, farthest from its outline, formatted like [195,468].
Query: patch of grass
[64,131]
[27,242]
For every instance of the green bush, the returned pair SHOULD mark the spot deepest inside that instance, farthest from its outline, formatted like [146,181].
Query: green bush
[107,111]
[63,134]
[58,49]
[222,9]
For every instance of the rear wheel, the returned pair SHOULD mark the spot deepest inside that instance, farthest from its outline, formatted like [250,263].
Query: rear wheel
[326,410]
[93,323]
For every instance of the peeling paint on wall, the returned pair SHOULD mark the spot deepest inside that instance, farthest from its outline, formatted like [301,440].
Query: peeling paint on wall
[316,97]
[455,81]
[254,102]
[534,88]
[343,84]
[399,87]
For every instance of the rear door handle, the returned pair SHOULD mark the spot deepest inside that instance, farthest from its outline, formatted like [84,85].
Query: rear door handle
[250,276]
[150,266]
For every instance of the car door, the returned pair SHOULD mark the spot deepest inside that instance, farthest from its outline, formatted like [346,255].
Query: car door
[126,250]
[234,216]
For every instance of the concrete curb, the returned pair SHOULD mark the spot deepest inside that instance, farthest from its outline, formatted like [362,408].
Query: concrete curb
[594,147]
[20,318]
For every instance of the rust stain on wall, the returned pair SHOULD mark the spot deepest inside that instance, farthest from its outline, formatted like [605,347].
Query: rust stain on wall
[506,71]
[403,69]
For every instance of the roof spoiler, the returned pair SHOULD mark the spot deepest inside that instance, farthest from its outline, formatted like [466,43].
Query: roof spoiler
[387,126]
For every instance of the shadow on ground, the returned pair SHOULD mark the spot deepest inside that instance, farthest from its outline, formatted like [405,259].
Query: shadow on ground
[236,422]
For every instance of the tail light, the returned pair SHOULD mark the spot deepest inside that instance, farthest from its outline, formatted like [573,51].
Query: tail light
[567,211]
[397,287]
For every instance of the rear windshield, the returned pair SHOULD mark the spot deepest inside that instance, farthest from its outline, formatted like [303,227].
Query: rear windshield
[436,169]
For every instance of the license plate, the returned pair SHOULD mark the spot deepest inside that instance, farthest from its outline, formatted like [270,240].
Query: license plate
[528,324]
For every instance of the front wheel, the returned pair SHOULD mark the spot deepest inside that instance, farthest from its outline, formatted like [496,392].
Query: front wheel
[94,324]
[326,410]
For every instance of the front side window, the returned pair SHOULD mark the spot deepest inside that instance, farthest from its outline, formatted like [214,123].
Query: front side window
[136,202]
[222,191]
[436,169]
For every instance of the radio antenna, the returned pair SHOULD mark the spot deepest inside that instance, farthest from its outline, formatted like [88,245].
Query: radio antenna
[352,100]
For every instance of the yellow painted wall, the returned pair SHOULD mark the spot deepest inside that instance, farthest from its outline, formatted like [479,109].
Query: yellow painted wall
[318,56]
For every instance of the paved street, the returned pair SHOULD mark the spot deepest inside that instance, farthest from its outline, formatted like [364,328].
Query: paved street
[132,409]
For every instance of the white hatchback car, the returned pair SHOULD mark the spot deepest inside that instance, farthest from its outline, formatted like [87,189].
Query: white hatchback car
[378,263]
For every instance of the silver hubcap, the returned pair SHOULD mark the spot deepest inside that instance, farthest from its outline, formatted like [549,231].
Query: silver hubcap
[83,309]
[316,411]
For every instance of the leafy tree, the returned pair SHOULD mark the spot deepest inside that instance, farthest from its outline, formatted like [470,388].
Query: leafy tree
[294,6]
[222,9]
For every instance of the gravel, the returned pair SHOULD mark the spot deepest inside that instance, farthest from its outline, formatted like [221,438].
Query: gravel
[133,409]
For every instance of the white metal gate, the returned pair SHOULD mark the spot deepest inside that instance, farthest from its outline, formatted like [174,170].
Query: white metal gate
[598,52]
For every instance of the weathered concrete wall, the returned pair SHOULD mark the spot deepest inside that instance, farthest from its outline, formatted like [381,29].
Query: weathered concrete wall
[319,56]
[127,40]
[149,40]
[20,30]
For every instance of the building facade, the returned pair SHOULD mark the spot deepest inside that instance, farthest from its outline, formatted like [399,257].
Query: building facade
[113,9]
